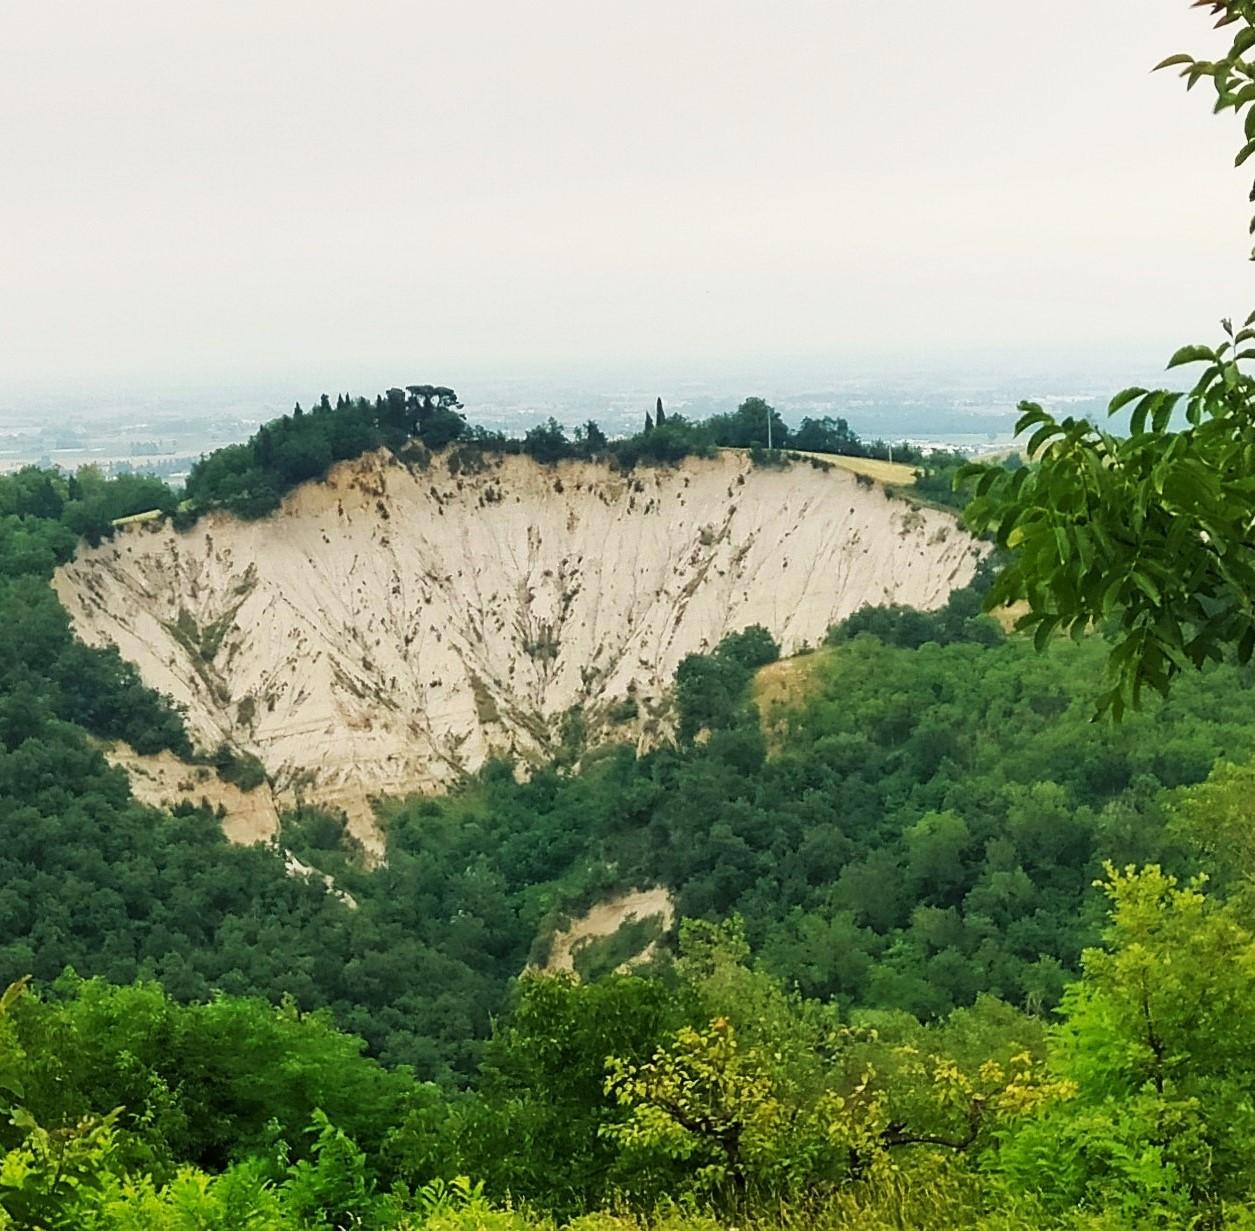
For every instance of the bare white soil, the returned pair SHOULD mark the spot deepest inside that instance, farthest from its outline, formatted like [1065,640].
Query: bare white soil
[391,628]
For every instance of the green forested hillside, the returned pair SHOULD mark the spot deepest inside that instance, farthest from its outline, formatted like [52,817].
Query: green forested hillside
[704,1093]
[925,831]
[92,880]
[887,887]
[951,953]
[873,1020]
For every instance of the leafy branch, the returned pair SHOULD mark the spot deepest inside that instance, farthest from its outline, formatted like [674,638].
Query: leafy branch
[1147,535]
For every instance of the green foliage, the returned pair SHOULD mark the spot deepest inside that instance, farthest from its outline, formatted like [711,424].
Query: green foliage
[924,832]
[826,435]
[751,648]
[708,1089]
[1154,1055]
[45,674]
[709,689]
[831,1055]
[322,839]
[1146,533]
[57,1180]
[936,474]
[539,1125]
[242,769]
[929,824]
[251,478]
[332,1187]
[603,955]
[672,438]
[201,1083]
[746,428]
[547,442]
[664,445]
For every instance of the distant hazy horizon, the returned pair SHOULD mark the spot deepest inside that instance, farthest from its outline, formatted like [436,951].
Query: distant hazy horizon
[737,377]
[287,198]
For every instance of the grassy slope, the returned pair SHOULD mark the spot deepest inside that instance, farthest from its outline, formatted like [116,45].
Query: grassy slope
[781,687]
[894,473]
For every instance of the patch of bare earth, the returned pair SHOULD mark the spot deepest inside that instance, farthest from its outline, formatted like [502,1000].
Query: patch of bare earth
[605,919]
[782,687]
[164,781]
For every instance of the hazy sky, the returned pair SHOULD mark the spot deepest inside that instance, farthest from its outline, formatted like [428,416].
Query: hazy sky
[350,194]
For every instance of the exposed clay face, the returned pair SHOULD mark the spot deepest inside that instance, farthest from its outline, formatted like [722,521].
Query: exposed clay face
[391,628]
[164,781]
[604,919]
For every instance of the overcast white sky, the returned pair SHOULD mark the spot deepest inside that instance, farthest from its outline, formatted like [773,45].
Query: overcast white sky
[334,193]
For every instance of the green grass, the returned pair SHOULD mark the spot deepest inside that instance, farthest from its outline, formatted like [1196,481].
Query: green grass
[148,515]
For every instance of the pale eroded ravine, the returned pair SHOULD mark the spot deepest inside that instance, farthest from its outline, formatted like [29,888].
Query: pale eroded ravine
[391,628]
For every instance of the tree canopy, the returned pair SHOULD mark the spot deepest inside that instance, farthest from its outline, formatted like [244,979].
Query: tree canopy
[704,1086]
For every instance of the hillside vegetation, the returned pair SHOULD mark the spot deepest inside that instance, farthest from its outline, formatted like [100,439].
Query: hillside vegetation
[705,1091]
[908,850]
[922,945]
[925,832]
[251,478]
[908,857]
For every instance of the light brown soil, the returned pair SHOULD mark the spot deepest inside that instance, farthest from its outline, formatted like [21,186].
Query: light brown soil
[605,919]
[163,780]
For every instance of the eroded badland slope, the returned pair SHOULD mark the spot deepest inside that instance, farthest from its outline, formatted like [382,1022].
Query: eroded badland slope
[391,628]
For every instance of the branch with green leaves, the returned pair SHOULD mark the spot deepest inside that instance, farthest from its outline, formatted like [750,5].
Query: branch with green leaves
[1147,535]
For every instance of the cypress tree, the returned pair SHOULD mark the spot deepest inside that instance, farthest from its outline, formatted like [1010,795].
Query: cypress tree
[264,446]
